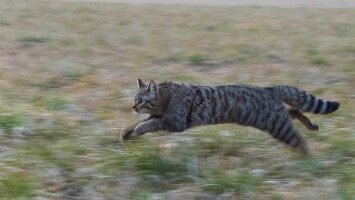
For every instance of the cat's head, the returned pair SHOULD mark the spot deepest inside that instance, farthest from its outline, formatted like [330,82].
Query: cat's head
[147,99]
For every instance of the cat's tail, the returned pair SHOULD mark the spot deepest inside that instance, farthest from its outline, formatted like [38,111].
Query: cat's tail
[303,100]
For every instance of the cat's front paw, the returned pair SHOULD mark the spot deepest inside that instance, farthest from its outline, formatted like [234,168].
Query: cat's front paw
[127,133]
[315,127]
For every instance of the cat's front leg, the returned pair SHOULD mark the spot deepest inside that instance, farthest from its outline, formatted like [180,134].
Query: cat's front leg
[127,133]
[151,125]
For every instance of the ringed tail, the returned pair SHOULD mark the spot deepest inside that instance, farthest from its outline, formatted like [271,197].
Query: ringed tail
[305,101]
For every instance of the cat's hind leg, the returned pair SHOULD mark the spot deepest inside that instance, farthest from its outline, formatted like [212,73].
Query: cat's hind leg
[279,125]
[297,114]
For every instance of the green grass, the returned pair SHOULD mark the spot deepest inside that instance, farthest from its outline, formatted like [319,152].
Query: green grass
[147,160]
[346,181]
[8,121]
[17,185]
[59,155]
[196,59]
[343,144]
[237,181]
[318,60]
[313,167]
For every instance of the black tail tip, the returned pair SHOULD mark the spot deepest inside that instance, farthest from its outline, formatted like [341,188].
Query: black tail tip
[332,106]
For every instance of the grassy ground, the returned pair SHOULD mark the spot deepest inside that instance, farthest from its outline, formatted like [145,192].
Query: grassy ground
[69,70]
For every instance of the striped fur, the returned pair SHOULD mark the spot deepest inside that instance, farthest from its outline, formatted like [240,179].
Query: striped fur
[176,107]
[304,101]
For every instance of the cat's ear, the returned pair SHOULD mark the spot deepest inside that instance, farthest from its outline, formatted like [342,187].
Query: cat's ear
[141,84]
[153,87]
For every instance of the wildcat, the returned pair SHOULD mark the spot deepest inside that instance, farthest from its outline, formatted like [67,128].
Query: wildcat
[175,107]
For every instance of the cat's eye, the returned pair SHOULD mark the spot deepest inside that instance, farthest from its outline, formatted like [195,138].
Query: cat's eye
[140,100]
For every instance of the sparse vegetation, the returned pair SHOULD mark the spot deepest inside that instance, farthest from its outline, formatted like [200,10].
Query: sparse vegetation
[9,120]
[68,75]
[196,59]
[31,39]
[318,60]
[237,181]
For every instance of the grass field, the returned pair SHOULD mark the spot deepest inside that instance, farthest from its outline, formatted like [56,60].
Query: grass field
[68,73]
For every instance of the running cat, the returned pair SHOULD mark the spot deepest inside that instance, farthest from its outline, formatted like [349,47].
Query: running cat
[176,107]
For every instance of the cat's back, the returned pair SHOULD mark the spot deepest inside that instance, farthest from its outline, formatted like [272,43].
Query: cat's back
[217,92]
[234,90]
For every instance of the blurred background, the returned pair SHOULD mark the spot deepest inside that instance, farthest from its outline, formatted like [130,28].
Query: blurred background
[68,72]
